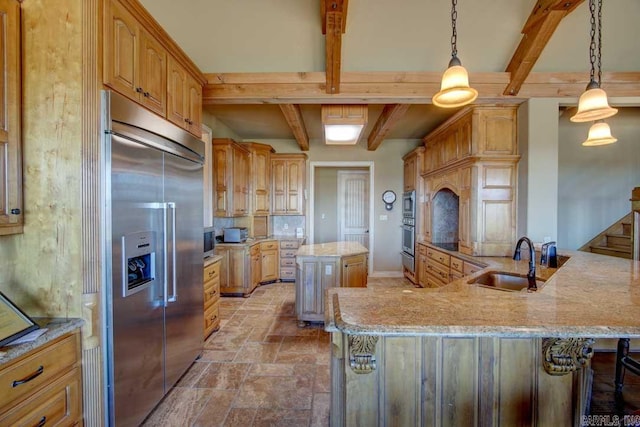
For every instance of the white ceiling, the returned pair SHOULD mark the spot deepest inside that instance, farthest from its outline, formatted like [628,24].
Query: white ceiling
[224,36]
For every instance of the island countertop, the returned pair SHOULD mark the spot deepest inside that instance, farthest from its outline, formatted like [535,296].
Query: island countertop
[332,249]
[590,295]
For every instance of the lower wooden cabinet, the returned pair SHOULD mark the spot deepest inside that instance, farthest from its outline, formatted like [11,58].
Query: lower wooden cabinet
[211,282]
[437,268]
[234,270]
[355,271]
[269,261]
[43,387]
[288,249]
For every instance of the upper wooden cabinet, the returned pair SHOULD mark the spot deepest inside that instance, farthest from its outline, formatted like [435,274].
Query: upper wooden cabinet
[137,65]
[184,98]
[413,163]
[230,178]
[287,184]
[260,182]
[11,216]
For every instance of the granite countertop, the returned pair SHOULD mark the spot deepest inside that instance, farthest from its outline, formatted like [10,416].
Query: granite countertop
[590,295]
[56,327]
[336,249]
[210,260]
[252,241]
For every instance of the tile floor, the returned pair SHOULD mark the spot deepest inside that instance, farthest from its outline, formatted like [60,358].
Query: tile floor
[260,369]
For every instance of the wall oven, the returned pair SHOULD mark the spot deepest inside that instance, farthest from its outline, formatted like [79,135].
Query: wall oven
[409,204]
[408,235]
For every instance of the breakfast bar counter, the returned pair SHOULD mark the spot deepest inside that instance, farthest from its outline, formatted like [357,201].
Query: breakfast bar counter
[464,354]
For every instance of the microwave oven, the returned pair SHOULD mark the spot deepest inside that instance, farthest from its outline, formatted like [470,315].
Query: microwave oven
[209,241]
[409,204]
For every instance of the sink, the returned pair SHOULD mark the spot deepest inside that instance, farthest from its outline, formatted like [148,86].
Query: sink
[503,281]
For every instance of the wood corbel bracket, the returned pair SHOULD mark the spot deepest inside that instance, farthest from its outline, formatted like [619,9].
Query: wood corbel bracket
[562,356]
[361,353]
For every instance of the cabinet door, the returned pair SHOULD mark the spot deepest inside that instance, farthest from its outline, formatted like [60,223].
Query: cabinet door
[278,187]
[224,267]
[121,55]
[464,212]
[409,174]
[354,271]
[176,95]
[256,268]
[270,261]
[240,181]
[153,74]
[237,268]
[11,216]
[193,106]
[222,158]
[295,186]
[261,172]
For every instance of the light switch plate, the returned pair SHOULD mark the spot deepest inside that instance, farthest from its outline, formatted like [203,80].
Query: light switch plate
[383,217]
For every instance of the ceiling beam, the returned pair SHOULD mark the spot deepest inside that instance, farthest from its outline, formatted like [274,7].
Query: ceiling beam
[334,19]
[400,87]
[387,120]
[540,26]
[293,116]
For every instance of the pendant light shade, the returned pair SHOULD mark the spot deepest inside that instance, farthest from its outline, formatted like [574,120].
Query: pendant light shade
[599,134]
[593,105]
[454,89]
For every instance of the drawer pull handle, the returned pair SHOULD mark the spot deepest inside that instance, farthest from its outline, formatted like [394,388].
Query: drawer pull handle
[42,422]
[38,371]
[212,293]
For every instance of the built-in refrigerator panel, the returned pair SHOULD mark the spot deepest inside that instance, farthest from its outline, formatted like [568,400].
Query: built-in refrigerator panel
[152,240]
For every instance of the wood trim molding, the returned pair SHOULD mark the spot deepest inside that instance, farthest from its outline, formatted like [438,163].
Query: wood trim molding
[333,51]
[293,116]
[387,120]
[336,6]
[540,26]
[400,87]
[561,356]
[152,26]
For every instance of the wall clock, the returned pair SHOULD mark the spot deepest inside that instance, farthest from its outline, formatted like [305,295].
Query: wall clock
[388,197]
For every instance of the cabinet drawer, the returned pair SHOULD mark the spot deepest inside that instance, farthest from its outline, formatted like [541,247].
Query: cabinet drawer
[211,293]
[289,244]
[470,268]
[211,319]
[288,253]
[457,264]
[288,262]
[422,249]
[287,273]
[441,257]
[268,245]
[440,273]
[455,275]
[211,271]
[56,404]
[36,370]
[254,250]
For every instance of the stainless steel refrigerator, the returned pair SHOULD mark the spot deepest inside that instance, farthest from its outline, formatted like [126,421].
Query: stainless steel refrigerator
[153,256]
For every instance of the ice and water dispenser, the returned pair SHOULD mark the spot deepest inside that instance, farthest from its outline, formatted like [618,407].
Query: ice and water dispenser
[139,261]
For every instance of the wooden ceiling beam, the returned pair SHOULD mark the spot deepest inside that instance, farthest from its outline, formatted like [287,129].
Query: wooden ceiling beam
[540,26]
[387,120]
[400,88]
[334,24]
[293,115]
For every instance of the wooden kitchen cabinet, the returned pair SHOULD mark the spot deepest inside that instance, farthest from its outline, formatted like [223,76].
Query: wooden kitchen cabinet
[184,98]
[288,172]
[230,178]
[438,268]
[260,183]
[355,271]
[413,166]
[255,265]
[11,211]
[288,250]
[211,285]
[270,261]
[421,266]
[135,64]
[44,385]
[235,270]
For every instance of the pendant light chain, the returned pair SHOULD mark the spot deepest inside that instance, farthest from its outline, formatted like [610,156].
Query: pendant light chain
[599,42]
[454,33]
[592,45]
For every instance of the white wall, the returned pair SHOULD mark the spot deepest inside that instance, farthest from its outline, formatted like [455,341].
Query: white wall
[595,183]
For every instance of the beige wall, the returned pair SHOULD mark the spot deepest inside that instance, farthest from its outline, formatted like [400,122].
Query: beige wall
[388,175]
[325,204]
[41,269]
[595,183]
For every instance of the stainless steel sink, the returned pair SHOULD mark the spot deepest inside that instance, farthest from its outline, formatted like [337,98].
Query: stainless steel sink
[503,281]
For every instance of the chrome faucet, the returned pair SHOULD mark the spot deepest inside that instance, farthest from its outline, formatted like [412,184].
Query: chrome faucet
[531,275]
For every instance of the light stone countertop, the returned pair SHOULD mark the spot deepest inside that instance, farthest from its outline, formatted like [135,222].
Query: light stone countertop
[210,260]
[590,295]
[336,249]
[56,327]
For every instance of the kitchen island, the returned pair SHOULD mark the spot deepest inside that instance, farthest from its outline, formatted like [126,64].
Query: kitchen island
[464,354]
[323,266]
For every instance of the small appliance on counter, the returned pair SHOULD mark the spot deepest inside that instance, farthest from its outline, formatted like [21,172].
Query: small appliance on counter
[235,234]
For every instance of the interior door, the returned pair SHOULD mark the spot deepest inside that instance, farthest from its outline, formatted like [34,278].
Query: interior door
[353,206]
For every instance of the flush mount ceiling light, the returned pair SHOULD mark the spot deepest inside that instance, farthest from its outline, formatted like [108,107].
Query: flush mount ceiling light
[343,124]
[593,103]
[454,88]
[599,134]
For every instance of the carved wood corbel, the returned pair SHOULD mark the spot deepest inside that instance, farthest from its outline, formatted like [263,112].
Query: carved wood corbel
[562,356]
[361,353]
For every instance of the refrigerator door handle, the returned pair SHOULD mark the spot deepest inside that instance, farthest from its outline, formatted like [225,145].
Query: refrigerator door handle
[174,296]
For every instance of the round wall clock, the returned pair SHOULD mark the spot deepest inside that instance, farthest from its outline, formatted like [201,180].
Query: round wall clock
[388,197]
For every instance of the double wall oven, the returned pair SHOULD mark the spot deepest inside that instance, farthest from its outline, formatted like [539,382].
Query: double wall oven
[408,230]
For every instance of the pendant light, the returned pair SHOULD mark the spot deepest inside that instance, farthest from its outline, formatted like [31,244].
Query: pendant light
[599,134]
[454,89]
[593,103]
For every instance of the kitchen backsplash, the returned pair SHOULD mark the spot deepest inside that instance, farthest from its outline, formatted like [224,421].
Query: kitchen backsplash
[286,225]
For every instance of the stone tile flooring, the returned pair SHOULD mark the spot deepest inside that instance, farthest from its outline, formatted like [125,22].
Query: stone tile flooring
[260,369]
